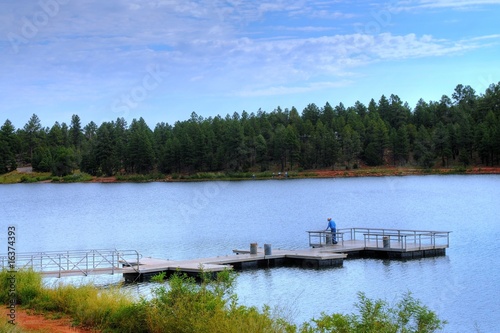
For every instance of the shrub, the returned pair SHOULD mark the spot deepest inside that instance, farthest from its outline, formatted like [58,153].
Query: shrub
[77,177]
[408,316]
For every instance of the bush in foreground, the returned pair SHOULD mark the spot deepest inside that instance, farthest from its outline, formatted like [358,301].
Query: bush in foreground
[210,305]
[407,316]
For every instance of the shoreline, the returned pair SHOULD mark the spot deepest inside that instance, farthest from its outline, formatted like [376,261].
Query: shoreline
[16,177]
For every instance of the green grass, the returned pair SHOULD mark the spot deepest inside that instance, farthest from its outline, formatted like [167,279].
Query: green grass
[140,178]
[15,177]
[18,177]
[5,327]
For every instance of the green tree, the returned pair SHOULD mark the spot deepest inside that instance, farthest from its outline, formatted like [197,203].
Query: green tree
[442,143]
[384,109]
[279,146]
[465,140]
[327,114]
[43,159]
[90,131]
[261,152]
[351,145]
[312,113]
[104,150]
[75,132]
[292,145]
[31,135]
[424,114]
[465,98]
[376,140]
[487,138]
[398,113]
[361,109]
[88,160]
[120,135]
[63,161]
[400,145]
[424,152]
[9,147]
[55,137]
[140,153]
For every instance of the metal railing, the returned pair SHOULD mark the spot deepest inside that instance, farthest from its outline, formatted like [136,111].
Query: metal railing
[75,261]
[385,238]
[323,237]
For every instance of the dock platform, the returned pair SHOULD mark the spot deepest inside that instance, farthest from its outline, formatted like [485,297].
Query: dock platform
[241,259]
[383,243]
[350,243]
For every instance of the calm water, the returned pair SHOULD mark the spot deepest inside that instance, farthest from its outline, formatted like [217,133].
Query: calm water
[187,220]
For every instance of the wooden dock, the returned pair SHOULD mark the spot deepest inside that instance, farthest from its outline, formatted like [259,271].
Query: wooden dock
[351,243]
[383,243]
[241,259]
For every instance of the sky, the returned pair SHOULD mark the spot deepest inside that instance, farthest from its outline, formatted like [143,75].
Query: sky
[164,59]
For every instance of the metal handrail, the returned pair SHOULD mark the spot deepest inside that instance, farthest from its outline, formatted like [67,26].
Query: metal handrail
[81,261]
[404,237]
[323,236]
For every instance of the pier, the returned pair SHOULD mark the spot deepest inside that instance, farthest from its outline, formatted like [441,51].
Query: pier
[322,252]
[383,243]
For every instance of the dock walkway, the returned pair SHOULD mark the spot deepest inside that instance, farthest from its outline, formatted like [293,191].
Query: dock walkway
[241,259]
[351,243]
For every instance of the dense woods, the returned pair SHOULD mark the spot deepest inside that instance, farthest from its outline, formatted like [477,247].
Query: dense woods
[463,129]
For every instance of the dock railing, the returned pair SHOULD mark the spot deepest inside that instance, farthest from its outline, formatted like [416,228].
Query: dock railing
[321,238]
[401,239]
[76,261]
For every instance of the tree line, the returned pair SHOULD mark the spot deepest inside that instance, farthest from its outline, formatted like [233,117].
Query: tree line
[463,129]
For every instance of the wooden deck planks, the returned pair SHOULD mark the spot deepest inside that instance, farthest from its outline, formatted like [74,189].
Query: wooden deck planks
[220,263]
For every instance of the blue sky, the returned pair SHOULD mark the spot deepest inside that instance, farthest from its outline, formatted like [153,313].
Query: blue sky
[164,59]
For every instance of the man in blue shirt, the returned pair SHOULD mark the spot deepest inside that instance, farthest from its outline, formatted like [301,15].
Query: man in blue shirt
[333,227]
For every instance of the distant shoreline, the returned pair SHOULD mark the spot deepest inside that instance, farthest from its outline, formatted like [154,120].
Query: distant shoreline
[24,175]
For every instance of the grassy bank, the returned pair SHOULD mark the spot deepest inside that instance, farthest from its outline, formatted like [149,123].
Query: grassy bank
[184,305]
[34,177]
[15,177]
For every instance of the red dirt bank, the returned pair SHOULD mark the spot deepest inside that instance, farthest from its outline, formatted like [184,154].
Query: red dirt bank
[39,323]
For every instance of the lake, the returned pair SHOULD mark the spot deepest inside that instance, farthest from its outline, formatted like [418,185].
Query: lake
[201,219]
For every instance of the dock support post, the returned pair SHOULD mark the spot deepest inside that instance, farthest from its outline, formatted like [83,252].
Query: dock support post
[267,249]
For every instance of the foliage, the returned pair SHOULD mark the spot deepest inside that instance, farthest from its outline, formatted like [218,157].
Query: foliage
[77,177]
[28,286]
[461,130]
[207,304]
[407,316]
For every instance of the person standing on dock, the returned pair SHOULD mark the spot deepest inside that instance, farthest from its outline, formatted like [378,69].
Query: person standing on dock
[333,228]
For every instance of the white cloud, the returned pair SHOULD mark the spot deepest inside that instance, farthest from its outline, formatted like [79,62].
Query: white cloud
[288,90]
[435,4]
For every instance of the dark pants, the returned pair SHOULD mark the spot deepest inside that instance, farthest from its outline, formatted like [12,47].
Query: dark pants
[334,235]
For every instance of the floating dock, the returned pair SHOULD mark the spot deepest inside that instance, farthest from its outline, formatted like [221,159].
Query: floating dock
[383,243]
[308,258]
[350,243]
[322,252]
